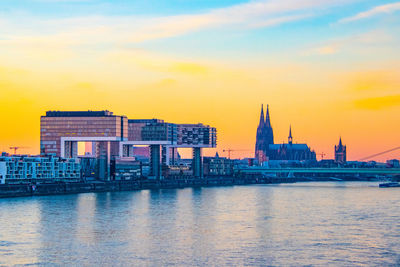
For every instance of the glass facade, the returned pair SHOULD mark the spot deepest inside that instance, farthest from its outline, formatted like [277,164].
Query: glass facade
[25,168]
[179,134]
[197,134]
[54,125]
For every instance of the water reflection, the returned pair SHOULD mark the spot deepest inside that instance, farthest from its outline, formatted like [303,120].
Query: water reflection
[307,223]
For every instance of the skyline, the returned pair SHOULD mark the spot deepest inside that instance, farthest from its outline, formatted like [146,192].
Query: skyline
[328,68]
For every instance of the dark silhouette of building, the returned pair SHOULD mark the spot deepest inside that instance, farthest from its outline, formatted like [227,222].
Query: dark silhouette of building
[265,148]
[340,152]
[265,136]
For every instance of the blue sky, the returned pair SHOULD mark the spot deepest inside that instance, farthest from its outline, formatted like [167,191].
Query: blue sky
[289,24]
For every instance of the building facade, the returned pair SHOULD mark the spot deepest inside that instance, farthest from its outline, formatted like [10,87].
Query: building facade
[111,136]
[218,166]
[266,150]
[25,169]
[60,131]
[196,135]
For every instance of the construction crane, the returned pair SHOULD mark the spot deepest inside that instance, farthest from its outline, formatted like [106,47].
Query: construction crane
[232,150]
[15,148]
[322,155]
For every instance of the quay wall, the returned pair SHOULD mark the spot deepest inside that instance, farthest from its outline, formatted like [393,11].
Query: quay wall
[23,190]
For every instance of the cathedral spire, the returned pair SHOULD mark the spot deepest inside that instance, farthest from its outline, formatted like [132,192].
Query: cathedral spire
[267,119]
[290,138]
[261,116]
[340,142]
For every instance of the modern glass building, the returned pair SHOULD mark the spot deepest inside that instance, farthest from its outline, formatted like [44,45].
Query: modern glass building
[115,136]
[196,135]
[61,130]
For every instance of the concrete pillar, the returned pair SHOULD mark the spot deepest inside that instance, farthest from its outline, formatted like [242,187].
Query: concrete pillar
[130,151]
[126,150]
[74,149]
[173,159]
[155,161]
[104,150]
[67,150]
[166,155]
[93,152]
[197,163]
[114,149]
[70,149]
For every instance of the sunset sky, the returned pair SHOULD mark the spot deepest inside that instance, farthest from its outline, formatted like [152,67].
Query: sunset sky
[329,68]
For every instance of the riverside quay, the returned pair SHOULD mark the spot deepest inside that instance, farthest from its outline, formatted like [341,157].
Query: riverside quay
[110,136]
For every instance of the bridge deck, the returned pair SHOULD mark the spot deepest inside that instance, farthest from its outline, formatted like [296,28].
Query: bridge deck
[322,170]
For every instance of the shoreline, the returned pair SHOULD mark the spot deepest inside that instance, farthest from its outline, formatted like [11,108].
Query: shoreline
[62,188]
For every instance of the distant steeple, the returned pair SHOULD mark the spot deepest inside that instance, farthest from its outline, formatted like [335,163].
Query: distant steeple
[267,119]
[290,138]
[340,152]
[261,116]
[216,155]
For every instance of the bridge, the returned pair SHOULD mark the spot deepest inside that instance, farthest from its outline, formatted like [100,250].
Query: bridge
[373,171]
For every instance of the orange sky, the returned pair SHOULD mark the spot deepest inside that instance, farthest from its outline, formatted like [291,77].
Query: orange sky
[329,73]
[228,98]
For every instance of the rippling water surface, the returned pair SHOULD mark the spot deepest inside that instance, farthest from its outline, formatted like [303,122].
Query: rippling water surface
[343,223]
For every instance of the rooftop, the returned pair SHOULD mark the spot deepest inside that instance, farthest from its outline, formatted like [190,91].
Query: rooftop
[89,113]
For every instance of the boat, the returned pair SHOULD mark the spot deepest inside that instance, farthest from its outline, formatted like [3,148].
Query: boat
[391,184]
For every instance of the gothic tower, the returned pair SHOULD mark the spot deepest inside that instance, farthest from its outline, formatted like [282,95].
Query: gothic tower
[268,132]
[259,136]
[265,136]
[340,152]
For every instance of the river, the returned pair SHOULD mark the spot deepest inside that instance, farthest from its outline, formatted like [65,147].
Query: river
[314,223]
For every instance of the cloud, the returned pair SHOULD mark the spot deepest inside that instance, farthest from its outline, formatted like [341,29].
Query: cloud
[327,50]
[367,39]
[374,80]
[120,30]
[388,8]
[377,103]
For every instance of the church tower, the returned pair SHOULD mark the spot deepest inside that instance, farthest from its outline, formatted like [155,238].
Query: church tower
[290,138]
[340,152]
[260,129]
[268,133]
[265,136]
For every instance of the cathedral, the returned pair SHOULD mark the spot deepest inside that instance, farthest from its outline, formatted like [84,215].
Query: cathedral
[266,149]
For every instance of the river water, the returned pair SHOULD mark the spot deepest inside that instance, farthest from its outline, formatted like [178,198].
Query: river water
[315,223]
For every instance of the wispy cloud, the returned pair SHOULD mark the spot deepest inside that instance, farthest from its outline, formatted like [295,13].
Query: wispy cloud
[376,103]
[367,39]
[388,8]
[134,29]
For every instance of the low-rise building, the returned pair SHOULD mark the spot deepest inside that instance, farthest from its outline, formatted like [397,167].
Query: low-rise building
[217,166]
[126,169]
[393,163]
[18,169]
